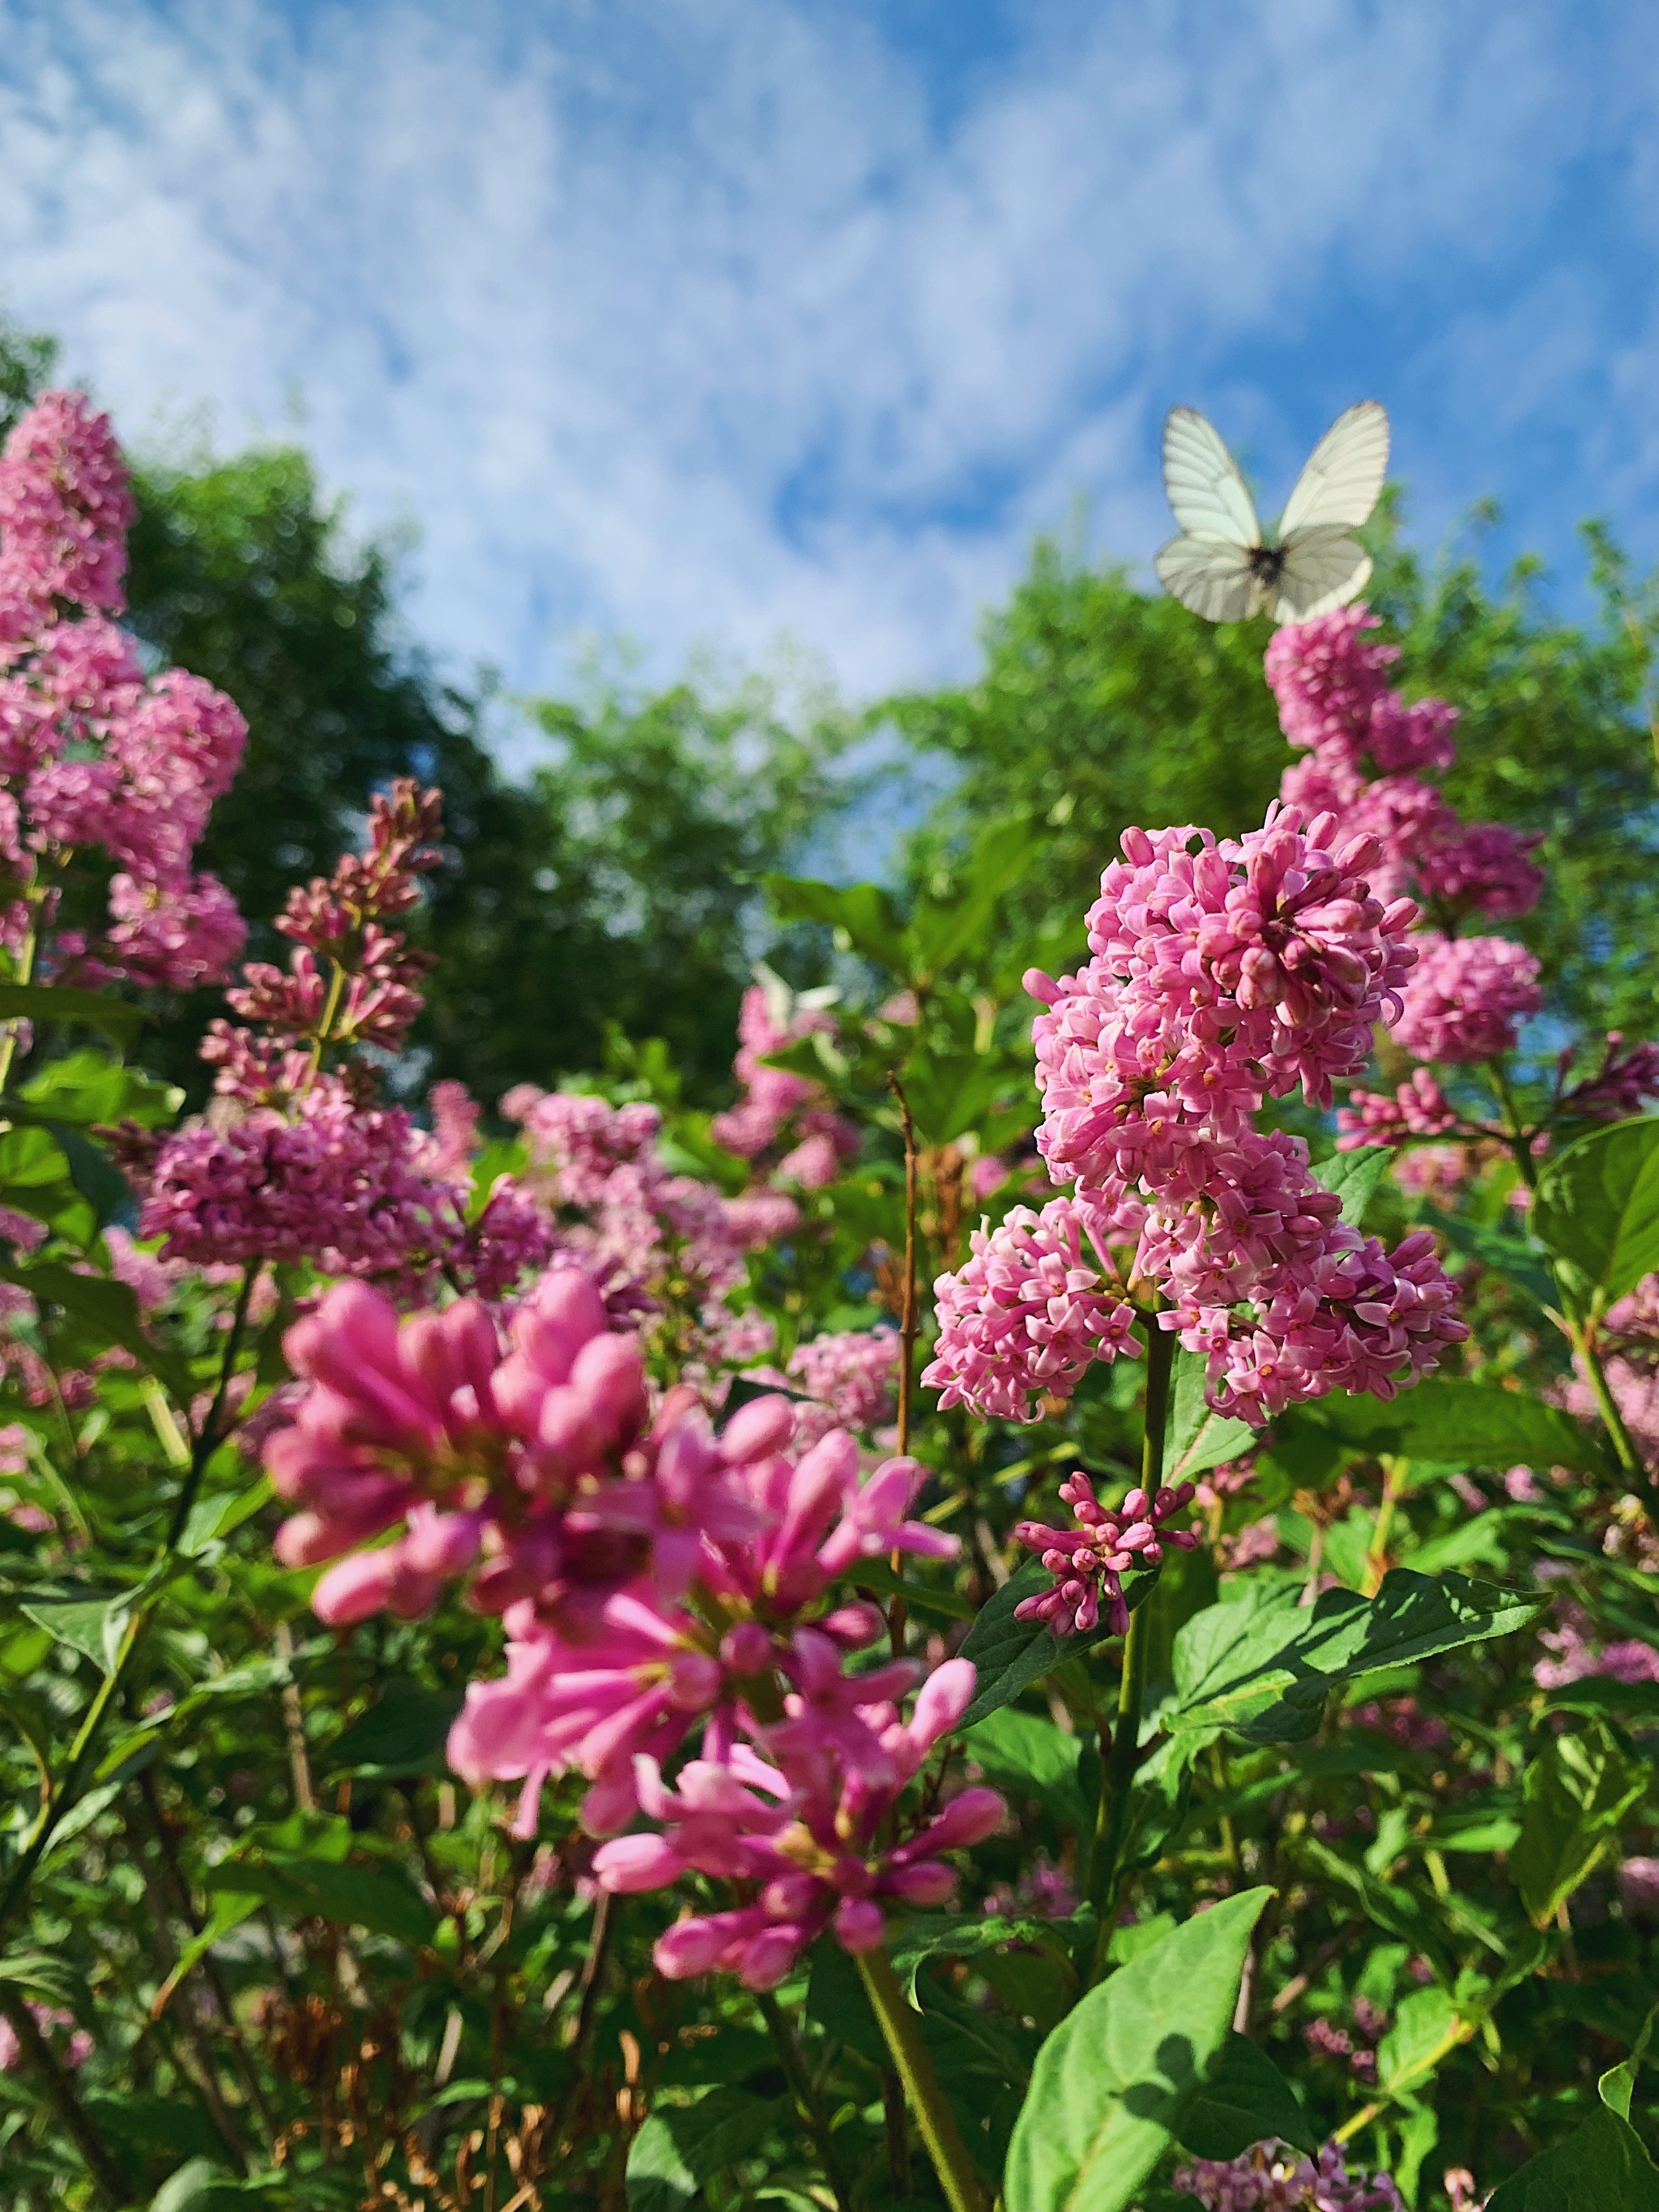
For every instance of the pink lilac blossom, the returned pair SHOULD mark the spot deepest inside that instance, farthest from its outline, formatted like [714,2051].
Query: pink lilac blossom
[1028,1313]
[1275,2177]
[97,756]
[1627,1078]
[66,507]
[1573,1643]
[1639,1887]
[1367,753]
[660,1244]
[527,1458]
[1223,974]
[776,1104]
[1419,1107]
[803,1831]
[852,1376]
[1044,1892]
[1089,1561]
[75,2052]
[1466,998]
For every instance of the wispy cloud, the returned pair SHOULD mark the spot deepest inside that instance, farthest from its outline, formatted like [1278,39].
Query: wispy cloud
[708,321]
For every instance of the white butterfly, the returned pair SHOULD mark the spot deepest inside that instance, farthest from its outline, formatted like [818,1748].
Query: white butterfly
[1219,567]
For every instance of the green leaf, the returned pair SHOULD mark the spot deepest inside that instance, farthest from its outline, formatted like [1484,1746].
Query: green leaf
[51,1979]
[1573,1795]
[1263,1664]
[212,1518]
[1617,2086]
[1115,2082]
[92,1625]
[103,1312]
[1198,1439]
[1027,1754]
[967,1935]
[186,2189]
[403,1734]
[877,1576]
[92,1172]
[1426,2023]
[1600,2167]
[1354,1176]
[863,914]
[682,2146]
[1010,1654]
[49,1002]
[87,1087]
[1457,1424]
[1511,1257]
[1384,1904]
[1245,2100]
[1597,1206]
[378,1899]
[941,931]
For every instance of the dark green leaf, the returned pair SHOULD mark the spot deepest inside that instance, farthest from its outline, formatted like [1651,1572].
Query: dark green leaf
[1574,1794]
[1112,2084]
[403,1734]
[1243,2099]
[864,913]
[682,2146]
[375,1898]
[1027,1754]
[941,931]
[877,1576]
[1385,1904]
[966,1934]
[52,1003]
[1010,1654]
[1263,1665]
[1601,2167]
[1512,1257]
[1457,1424]
[1598,1205]
[104,1312]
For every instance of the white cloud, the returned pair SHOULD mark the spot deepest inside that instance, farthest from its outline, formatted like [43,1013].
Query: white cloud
[691,317]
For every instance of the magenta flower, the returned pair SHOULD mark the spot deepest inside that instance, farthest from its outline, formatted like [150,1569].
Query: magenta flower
[1088,1561]
[811,1844]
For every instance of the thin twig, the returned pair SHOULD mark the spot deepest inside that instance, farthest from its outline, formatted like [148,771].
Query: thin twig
[897,1610]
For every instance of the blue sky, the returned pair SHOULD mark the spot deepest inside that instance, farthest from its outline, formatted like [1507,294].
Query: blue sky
[712,322]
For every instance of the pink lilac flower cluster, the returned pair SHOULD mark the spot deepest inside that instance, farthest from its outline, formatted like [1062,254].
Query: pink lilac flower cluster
[850,1377]
[666,1249]
[1223,973]
[1275,2177]
[1089,1561]
[296,1162]
[654,1578]
[75,2052]
[1356,2045]
[1419,1107]
[779,1112]
[1627,1079]
[1578,1656]
[1365,752]
[95,755]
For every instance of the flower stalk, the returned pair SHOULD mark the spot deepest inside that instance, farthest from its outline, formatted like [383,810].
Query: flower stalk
[958,2176]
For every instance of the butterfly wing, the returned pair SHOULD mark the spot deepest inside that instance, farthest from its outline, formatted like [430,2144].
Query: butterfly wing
[1344,475]
[1324,568]
[1204,490]
[1211,576]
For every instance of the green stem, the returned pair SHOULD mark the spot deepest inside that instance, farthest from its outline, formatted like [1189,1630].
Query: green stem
[1120,1756]
[25,974]
[806,2098]
[1580,1328]
[58,1801]
[897,1609]
[958,2176]
[107,2177]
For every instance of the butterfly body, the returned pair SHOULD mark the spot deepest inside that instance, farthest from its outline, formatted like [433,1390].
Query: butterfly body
[1221,566]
